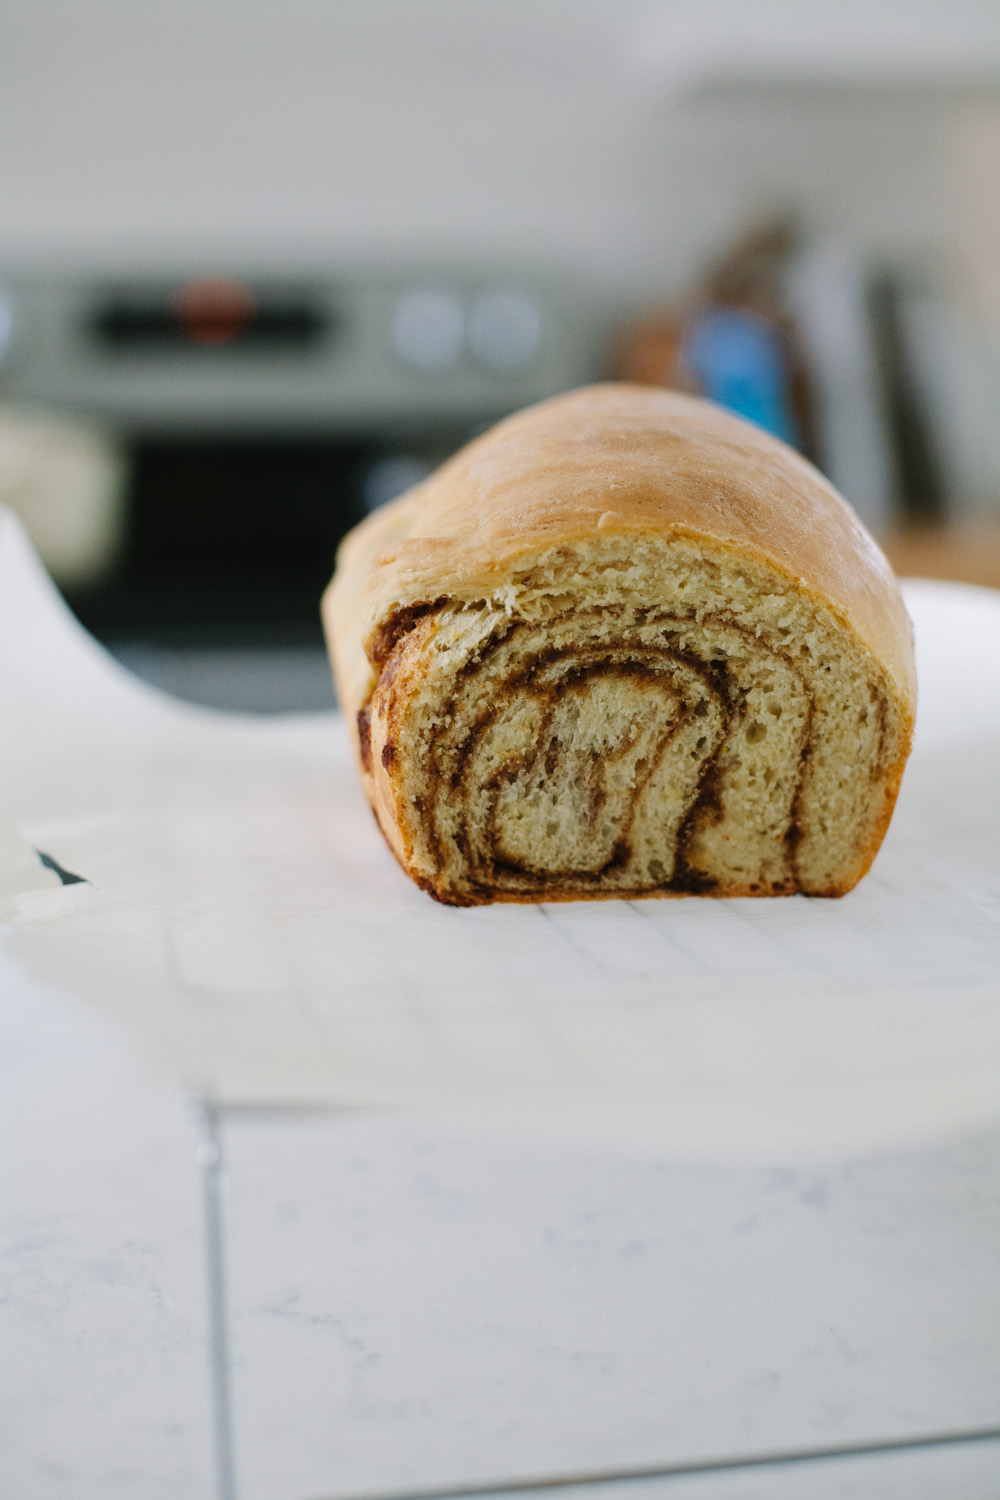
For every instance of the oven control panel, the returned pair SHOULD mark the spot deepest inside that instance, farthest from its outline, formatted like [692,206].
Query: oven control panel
[258,417]
[213,348]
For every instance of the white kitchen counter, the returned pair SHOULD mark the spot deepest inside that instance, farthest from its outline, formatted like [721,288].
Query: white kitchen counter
[409,1307]
[702,1193]
[104,1377]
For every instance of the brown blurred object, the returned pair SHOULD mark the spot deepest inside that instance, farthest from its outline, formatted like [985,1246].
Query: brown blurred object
[750,277]
[650,351]
[751,272]
[966,554]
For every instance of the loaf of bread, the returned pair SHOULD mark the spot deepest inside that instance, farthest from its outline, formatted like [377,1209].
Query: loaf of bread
[624,644]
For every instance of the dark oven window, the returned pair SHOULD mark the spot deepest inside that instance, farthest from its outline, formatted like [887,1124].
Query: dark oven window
[230,539]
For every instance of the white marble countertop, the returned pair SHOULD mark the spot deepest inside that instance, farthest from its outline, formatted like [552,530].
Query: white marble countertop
[236,1302]
[362,1304]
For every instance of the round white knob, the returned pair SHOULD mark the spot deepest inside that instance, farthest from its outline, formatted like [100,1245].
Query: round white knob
[505,330]
[428,330]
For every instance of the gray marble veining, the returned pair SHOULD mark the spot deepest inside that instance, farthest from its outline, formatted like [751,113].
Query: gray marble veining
[411,1308]
[104,1390]
[965,1471]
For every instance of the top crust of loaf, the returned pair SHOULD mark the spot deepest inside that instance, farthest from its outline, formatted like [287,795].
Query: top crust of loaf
[618,460]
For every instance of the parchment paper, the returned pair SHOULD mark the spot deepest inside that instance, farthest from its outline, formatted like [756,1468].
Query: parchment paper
[237,905]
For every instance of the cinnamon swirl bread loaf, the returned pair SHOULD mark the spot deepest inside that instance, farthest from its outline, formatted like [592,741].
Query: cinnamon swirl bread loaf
[624,644]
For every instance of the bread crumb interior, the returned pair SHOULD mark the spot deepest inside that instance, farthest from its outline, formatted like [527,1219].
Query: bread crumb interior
[701,724]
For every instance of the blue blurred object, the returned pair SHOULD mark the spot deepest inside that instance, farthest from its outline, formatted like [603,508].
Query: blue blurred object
[737,359]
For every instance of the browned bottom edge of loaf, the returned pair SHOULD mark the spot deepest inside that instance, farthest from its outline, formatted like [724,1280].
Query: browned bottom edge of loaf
[658,893]
[717,891]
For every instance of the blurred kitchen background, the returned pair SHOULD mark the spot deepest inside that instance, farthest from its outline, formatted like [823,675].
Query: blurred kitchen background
[265,263]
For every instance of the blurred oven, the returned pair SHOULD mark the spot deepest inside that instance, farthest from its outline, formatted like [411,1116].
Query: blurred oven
[262,416]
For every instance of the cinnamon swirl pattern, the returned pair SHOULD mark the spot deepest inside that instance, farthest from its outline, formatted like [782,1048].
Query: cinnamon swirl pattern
[624,645]
[708,748]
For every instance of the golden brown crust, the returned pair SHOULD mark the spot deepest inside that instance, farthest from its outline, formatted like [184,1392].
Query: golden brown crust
[619,459]
[611,461]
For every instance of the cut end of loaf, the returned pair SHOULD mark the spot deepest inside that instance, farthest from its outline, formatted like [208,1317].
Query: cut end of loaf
[703,725]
